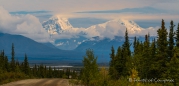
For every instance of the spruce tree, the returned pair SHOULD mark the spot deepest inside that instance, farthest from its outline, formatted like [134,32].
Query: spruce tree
[145,58]
[90,72]
[34,70]
[152,58]
[177,36]
[153,49]
[174,67]
[162,55]
[171,40]
[126,54]
[50,75]
[112,70]
[135,44]
[126,45]
[137,56]
[119,64]
[13,65]
[6,64]
[26,65]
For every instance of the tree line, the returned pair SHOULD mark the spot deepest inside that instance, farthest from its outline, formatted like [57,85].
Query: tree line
[153,61]
[14,70]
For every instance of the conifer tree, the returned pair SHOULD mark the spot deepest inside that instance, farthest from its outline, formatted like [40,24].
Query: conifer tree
[119,64]
[112,70]
[145,58]
[13,65]
[177,36]
[26,65]
[90,71]
[135,44]
[6,64]
[137,56]
[171,40]
[126,53]
[162,55]
[34,70]
[126,45]
[151,60]
[174,67]
[50,75]
[153,49]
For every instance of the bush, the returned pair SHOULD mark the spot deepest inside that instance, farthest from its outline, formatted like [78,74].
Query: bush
[11,76]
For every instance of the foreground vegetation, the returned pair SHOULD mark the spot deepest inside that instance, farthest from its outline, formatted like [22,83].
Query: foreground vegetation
[14,70]
[153,62]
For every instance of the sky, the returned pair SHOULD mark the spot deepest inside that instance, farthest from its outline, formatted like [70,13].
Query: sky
[70,8]
[26,15]
[67,7]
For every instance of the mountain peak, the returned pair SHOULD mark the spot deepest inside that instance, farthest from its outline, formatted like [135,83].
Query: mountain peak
[56,25]
[120,24]
[63,22]
[66,34]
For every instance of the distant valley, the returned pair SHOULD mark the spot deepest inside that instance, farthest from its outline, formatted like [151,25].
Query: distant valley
[68,44]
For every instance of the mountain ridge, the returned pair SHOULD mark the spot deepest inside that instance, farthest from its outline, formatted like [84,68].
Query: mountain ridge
[70,38]
[32,48]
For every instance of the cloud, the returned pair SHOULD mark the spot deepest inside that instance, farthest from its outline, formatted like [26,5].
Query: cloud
[31,12]
[109,29]
[26,25]
[145,10]
[130,16]
[69,6]
[116,27]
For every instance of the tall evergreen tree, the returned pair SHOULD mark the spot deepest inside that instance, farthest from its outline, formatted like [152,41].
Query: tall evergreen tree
[135,44]
[145,58]
[153,49]
[126,45]
[13,65]
[34,70]
[26,65]
[90,71]
[119,64]
[137,56]
[177,36]
[152,58]
[174,67]
[50,75]
[112,70]
[6,64]
[162,56]
[126,54]
[171,40]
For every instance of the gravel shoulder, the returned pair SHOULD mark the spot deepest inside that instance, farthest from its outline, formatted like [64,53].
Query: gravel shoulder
[39,82]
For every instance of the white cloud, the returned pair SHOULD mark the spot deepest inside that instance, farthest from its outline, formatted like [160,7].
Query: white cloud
[26,25]
[108,29]
[114,28]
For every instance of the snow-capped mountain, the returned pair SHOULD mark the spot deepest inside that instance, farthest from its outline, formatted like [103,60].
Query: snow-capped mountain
[132,27]
[67,37]
[56,25]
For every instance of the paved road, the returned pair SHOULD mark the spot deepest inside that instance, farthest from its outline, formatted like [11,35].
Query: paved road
[40,82]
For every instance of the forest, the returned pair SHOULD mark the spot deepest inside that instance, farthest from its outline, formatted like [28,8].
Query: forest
[153,62]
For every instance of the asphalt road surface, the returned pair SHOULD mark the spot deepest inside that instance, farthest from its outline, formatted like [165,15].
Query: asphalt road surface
[39,82]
